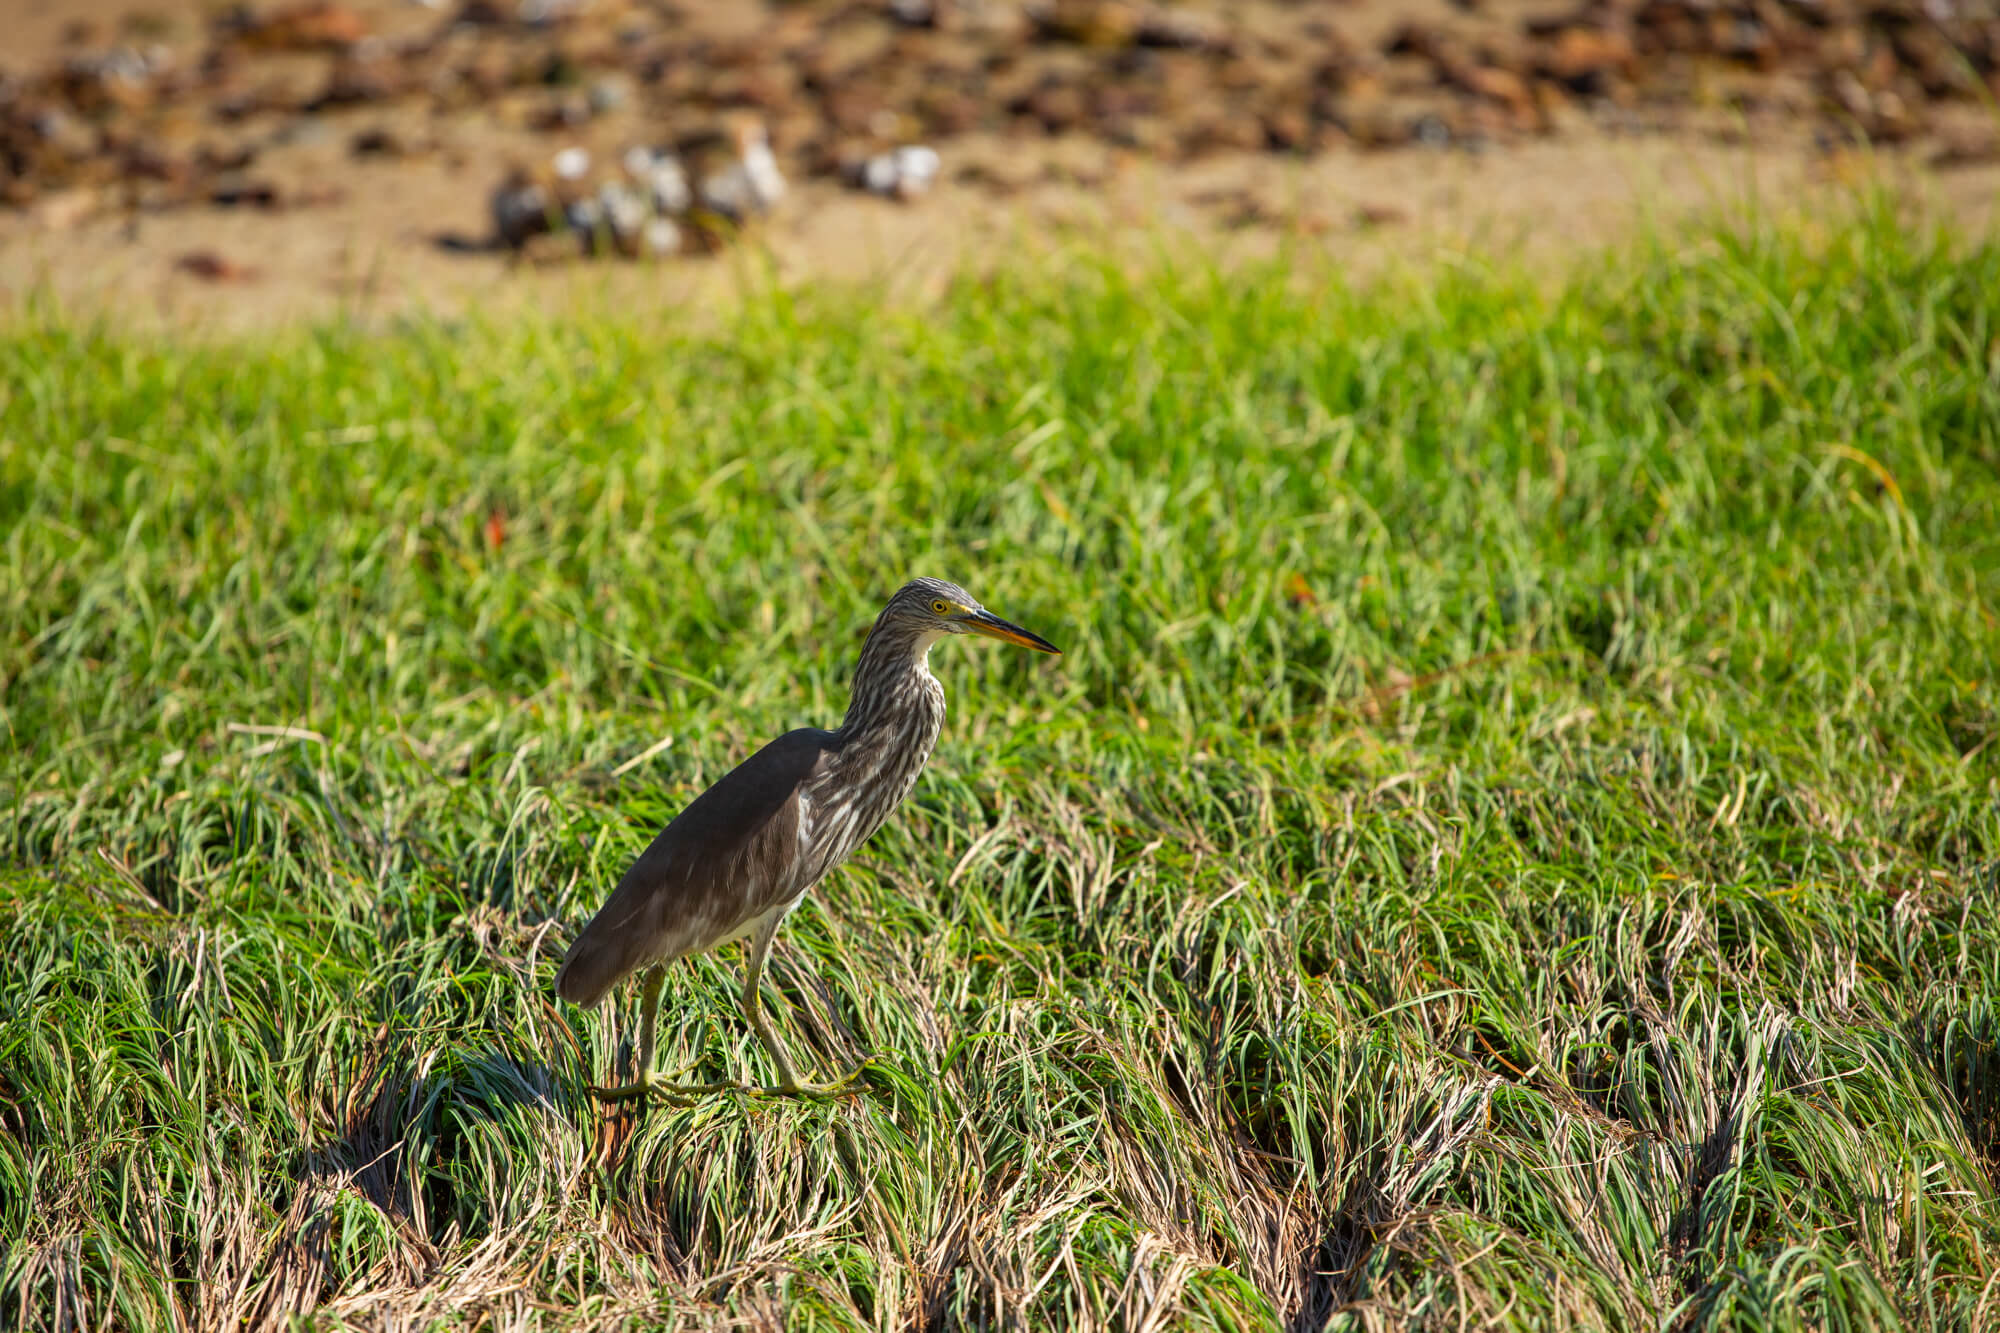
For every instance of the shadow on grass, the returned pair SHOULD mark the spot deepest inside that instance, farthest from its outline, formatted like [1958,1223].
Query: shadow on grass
[1963,1050]
[411,1136]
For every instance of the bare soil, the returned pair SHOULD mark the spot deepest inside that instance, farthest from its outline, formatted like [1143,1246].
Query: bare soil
[379,207]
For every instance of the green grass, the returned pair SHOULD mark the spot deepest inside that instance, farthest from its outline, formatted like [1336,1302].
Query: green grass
[1513,840]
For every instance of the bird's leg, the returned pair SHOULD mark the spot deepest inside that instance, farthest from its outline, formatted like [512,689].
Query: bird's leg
[753,1004]
[753,1007]
[649,1081]
[649,1013]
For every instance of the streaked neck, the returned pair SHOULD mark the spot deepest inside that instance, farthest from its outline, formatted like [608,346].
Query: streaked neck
[893,672]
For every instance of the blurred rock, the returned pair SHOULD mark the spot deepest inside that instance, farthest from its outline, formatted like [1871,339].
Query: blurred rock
[745,184]
[365,74]
[64,134]
[521,207]
[1586,58]
[1971,147]
[1088,22]
[625,214]
[121,79]
[379,141]
[1183,29]
[548,13]
[659,238]
[838,85]
[233,190]
[902,174]
[611,92]
[662,178]
[214,267]
[321,26]
[584,216]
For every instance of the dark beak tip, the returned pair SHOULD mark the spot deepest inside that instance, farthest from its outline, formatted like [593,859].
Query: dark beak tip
[1025,637]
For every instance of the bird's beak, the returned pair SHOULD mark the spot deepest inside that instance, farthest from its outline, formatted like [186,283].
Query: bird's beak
[993,627]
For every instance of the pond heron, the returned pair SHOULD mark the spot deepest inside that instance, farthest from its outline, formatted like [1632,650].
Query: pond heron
[744,852]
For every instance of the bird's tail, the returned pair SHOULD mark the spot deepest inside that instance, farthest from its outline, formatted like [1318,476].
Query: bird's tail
[588,973]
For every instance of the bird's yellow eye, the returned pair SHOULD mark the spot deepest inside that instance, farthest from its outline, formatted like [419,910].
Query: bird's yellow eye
[941,607]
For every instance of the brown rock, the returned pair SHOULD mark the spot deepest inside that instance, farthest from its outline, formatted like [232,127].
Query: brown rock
[1242,74]
[1496,85]
[317,26]
[1375,126]
[117,80]
[1181,29]
[1288,129]
[1089,22]
[1850,95]
[1224,132]
[378,141]
[1896,117]
[1941,69]
[244,192]
[944,112]
[1141,133]
[213,266]
[1967,147]
[1058,106]
[1426,41]
[214,158]
[142,160]
[357,79]
[1743,37]
[58,133]
[1587,59]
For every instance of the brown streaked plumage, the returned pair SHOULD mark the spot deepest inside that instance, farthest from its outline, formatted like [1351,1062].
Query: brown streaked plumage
[744,852]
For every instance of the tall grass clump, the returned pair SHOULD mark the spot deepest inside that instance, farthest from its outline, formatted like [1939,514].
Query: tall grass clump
[1513,839]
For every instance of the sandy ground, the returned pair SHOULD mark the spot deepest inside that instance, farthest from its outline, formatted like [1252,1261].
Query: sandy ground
[392,237]
[376,255]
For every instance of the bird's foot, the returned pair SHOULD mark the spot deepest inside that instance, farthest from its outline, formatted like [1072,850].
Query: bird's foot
[636,1090]
[657,1084]
[850,1084]
[653,1082]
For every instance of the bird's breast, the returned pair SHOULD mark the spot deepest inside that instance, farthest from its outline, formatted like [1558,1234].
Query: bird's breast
[876,770]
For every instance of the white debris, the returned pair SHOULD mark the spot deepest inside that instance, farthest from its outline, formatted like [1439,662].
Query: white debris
[626,212]
[919,165]
[903,174]
[752,184]
[661,177]
[571,163]
[543,13]
[659,238]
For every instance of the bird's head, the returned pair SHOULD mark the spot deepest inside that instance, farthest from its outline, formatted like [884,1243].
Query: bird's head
[931,607]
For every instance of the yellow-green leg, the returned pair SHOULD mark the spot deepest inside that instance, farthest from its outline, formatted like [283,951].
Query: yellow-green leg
[649,1016]
[648,1081]
[788,1084]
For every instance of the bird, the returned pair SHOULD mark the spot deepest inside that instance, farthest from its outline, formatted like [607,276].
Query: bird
[745,852]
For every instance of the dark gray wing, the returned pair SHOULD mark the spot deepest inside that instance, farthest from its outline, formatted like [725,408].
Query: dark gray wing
[732,855]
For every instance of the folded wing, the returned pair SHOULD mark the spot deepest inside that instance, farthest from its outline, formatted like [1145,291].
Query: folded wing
[733,854]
